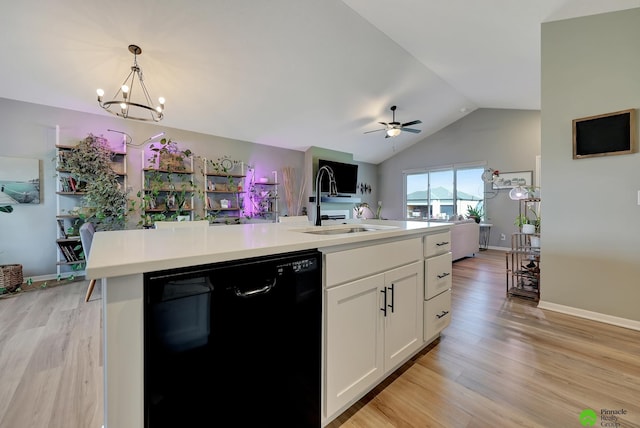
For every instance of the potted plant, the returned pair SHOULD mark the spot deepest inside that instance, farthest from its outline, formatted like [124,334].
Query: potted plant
[167,156]
[524,224]
[475,213]
[181,205]
[528,225]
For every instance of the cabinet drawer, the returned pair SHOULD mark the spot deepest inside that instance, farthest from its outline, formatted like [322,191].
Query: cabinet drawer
[437,315]
[438,243]
[343,266]
[437,275]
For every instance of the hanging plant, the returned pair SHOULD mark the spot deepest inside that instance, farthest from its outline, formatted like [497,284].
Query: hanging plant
[105,202]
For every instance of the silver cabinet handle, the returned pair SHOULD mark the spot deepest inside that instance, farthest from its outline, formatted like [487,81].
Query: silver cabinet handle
[443,275]
[441,314]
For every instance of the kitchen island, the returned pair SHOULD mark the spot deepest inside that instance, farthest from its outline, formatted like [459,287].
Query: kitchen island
[379,251]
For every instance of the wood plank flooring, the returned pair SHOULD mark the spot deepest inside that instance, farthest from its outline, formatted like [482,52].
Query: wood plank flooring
[501,363]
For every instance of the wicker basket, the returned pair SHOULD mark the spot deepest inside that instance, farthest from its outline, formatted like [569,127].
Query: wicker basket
[10,277]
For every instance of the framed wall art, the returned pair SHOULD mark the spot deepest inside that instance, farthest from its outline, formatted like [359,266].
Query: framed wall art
[605,134]
[509,180]
[19,180]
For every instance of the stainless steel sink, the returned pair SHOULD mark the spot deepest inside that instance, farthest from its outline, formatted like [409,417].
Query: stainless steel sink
[338,230]
[355,229]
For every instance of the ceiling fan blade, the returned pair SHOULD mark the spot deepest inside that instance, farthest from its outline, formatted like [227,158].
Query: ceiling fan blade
[415,122]
[383,123]
[415,131]
[375,130]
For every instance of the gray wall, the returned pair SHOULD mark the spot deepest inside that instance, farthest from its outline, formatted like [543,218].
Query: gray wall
[591,229]
[507,140]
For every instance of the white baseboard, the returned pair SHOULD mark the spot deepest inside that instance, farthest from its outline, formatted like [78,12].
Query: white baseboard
[594,316]
[492,247]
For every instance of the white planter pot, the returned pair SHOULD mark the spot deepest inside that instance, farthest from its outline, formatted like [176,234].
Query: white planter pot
[528,228]
[535,241]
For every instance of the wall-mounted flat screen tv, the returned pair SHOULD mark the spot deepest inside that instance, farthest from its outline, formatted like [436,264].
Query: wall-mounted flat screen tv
[346,175]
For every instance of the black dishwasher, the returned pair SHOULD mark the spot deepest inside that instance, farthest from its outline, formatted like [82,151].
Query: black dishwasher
[236,341]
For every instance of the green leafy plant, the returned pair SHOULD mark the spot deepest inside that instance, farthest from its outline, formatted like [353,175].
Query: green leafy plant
[521,220]
[222,166]
[167,156]
[167,185]
[475,213]
[533,217]
[105,200]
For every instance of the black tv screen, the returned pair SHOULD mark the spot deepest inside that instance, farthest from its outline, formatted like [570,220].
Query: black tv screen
[346,176]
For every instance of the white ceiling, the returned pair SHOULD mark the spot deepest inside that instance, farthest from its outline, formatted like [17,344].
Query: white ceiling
[288,73]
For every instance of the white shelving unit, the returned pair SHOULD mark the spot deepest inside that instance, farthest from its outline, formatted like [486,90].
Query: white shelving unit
[264,197]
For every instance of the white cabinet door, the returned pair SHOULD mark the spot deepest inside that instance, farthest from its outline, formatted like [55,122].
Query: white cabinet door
[404,313]
[354,340]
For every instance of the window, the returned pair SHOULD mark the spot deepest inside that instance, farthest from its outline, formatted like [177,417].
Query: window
[439,193]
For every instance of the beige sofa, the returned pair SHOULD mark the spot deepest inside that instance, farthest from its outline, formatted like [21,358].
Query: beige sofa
[465,238]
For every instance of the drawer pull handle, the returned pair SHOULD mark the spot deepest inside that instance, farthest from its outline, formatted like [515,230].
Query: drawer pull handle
[443,313]
[392,288]
[443,275]
[440,244]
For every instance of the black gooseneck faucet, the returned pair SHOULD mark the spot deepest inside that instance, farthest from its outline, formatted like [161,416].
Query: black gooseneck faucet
[332,189]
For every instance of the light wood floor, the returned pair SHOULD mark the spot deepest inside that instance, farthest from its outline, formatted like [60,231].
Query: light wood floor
[501,363]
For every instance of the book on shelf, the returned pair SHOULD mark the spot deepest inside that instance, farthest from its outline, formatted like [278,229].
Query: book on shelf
[68,251]
[73,184]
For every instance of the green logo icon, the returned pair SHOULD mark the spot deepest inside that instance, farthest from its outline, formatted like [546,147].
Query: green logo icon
[588,417]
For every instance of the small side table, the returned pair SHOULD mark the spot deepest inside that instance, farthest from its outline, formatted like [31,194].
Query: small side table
[485,233]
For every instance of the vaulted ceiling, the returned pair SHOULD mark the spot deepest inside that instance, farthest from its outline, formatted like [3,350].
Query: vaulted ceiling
[288,73]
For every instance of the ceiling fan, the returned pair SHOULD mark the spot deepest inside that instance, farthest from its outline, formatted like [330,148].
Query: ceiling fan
[393,129]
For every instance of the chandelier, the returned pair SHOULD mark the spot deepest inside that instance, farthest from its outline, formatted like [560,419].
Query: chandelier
[124,104]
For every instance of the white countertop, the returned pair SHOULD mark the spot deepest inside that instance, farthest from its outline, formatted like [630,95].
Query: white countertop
[127,252]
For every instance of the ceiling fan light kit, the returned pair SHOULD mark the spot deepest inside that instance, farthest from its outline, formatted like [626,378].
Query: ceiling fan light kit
[393,132]
[125,105]
[393,128]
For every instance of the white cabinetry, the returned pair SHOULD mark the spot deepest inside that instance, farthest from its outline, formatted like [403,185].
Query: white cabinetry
[373,317]
[437,284]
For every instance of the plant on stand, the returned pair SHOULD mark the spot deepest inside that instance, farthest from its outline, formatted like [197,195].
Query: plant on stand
[105,200]
[167,156]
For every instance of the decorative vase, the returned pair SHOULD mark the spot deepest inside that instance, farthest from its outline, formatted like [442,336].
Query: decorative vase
[528,228]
